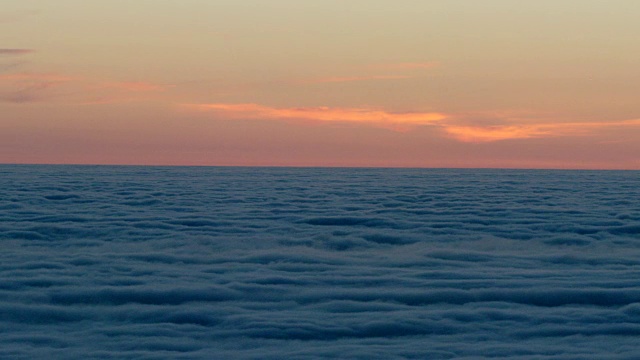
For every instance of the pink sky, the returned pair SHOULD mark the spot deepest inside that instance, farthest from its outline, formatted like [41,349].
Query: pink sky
[546,84]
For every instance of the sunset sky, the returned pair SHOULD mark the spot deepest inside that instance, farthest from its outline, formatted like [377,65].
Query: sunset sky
[403,83]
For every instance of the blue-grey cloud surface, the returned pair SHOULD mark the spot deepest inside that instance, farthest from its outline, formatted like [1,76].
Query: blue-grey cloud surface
[219,263]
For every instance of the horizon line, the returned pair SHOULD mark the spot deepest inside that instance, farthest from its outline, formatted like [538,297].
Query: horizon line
[323,167]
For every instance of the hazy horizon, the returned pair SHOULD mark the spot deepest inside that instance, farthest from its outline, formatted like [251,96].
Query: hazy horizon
[317,167]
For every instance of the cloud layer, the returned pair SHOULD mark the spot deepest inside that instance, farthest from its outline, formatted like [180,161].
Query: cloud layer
[456,126]
[324,114]
[527,131]
[201,263]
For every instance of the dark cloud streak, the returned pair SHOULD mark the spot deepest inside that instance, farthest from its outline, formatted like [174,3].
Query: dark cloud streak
[9,52]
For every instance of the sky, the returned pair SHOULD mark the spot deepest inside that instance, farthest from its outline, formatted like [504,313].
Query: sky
[381,83]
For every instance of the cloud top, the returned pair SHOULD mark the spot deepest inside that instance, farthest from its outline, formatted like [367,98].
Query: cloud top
[245,263]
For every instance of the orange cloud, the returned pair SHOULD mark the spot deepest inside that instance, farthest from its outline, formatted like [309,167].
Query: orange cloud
[381,118]
[525,131]
[495,133]
[402,121]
